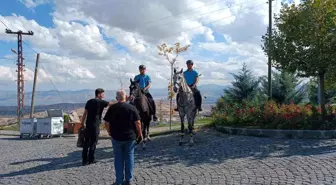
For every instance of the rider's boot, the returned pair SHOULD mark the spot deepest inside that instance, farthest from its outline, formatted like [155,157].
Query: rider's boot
[176,109]
[155,118]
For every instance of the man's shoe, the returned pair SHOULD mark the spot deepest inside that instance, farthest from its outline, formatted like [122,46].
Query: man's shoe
[155,118]
[176,110]
[84,163]
[127,183]
[93,162]
[199,109]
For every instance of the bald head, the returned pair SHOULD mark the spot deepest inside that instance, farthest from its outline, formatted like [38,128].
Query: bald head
[121,95]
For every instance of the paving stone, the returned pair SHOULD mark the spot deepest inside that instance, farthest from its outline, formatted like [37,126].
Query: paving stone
[214,159]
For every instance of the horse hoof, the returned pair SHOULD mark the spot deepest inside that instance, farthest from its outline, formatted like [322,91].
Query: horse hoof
[191,144]
[180,143]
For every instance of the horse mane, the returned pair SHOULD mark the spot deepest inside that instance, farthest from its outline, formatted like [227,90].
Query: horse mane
[140,101]
[185,87]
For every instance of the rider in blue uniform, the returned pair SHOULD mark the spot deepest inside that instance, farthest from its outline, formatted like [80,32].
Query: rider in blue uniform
[144,81]
[191,77]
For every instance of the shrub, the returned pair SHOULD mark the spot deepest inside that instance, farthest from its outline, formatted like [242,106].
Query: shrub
[270,115]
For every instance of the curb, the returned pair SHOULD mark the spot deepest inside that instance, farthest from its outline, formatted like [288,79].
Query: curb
[151,135]
[18,135]
[272,133]
[155,134]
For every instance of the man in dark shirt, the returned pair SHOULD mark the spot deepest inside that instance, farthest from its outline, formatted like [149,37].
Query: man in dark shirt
[92,113]
[122,122]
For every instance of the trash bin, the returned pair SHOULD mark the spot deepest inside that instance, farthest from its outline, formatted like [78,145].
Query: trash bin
[28,127]
[50,127]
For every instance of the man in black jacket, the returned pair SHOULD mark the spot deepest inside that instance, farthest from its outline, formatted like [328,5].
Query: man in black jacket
[123,124]
[92,113]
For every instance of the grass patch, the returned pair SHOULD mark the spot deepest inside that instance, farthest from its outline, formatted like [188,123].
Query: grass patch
[14,127]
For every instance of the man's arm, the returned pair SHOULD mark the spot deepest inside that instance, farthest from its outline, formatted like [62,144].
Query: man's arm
[195,83]
[83,117]
[137,123]
[196,79]
[112,103]
[138,129]
[149,81]
[148,86]
[107,119]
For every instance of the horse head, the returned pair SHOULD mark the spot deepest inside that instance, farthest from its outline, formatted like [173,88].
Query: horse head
[134,89]
[177,79]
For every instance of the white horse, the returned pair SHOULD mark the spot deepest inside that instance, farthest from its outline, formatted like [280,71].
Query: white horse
[185,103]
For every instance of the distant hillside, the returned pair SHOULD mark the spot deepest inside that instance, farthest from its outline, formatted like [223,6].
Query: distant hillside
[66,107]
[72,98]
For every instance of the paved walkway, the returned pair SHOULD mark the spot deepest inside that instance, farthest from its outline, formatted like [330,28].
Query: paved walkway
[103,133]
[215,159]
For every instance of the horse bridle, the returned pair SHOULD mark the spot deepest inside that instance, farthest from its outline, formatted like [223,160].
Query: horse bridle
[180,89]
[132,91]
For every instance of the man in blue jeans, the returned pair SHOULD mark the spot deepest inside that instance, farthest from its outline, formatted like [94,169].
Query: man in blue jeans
[123,124]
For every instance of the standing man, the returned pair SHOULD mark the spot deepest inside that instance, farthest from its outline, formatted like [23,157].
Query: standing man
[92,113]
[123,124]
[145,83]
[191,77]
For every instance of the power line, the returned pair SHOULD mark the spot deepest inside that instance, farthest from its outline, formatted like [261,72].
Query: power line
[46,72]
[159,20]
[40,65]
[162,25]
[177,33]
[180,13]
[4,24]
[30,46]
[202,14]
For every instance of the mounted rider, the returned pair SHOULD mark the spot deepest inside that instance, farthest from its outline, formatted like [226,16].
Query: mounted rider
[191,77]
[144,81]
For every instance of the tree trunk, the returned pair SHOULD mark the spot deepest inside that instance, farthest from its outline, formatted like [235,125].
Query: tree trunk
[171,97]
[321,94]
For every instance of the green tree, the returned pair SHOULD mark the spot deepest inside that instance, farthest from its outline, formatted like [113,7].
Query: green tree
[303,40]
[286,87]
[329,93]
[245,87]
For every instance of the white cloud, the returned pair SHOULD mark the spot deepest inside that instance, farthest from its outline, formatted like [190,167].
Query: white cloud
[80,40]
[7,73]
[217,75]
[33,3]
[42,38]
[81,49]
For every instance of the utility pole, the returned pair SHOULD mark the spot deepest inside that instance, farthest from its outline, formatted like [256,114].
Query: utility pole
[34,85]
[269,43]
[20,70]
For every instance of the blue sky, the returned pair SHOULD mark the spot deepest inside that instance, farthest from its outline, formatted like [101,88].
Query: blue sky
[91,43]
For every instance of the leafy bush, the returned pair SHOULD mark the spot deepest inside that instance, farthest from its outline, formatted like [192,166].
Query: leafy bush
[270,115]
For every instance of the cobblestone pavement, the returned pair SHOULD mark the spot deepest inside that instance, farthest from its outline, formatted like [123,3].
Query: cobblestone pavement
[214,159]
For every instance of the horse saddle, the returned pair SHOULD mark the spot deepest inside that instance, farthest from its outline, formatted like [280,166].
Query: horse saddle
[143,104]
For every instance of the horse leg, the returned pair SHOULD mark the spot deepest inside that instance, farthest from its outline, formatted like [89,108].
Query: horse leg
[143,134]
[190,129]
[182,129]
[147,130]
[191,117]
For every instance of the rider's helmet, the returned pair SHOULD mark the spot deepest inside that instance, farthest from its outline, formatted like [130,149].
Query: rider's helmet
[189,62]
[142,67]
